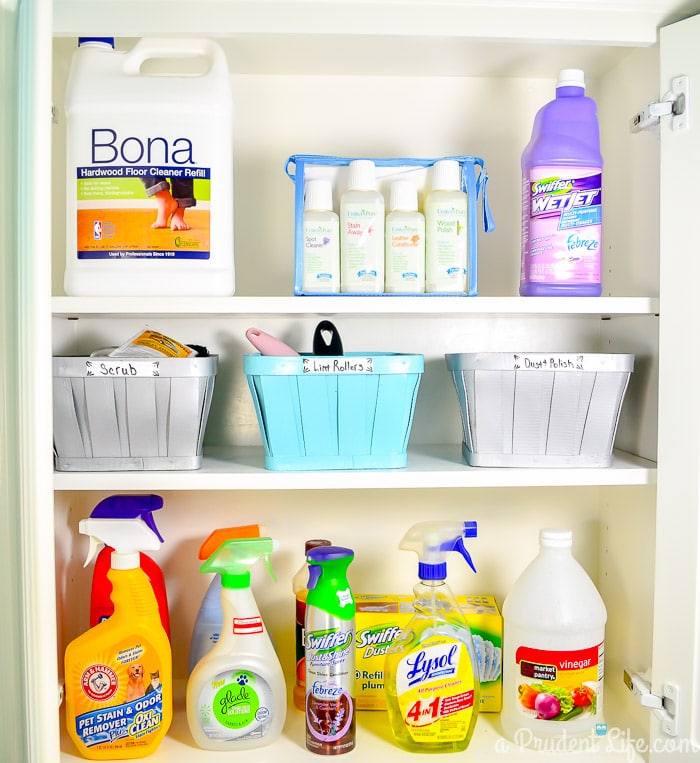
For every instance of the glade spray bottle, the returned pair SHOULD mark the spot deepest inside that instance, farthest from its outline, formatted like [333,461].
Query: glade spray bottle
[330,652]
[125,507]
[236,694]
[362,231]
[562,171]
[300,591]
[119,673]
[207,626]
[431,671]
[446,230]
[553,647]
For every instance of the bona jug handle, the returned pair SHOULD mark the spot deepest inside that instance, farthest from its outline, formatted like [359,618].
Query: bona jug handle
[152,47]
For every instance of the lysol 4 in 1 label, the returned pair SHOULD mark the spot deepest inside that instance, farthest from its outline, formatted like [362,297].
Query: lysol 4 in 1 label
[559,685]
[562,224]
[435,688]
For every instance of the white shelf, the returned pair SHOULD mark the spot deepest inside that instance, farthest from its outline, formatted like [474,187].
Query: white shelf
[77,307]
[374,742]
[429,467]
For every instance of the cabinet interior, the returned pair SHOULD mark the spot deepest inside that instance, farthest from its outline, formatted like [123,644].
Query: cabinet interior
[405,95]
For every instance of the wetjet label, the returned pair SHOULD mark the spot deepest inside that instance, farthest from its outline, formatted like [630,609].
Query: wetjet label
[562,224]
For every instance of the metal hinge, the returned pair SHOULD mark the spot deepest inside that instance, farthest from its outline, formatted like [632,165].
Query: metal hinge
[664,707]
[675,103]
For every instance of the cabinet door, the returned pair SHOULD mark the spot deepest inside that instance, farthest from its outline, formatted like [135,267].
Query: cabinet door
[28,721]
[676,655]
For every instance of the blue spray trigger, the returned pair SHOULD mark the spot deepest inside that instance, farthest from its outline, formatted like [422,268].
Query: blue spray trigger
[314,575]
[130,507]
[462,549]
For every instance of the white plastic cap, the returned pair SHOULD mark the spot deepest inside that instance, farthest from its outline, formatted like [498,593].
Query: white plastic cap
[318,195]
[404,196]
[362,175]
[571,78]
[447,175]
[553,538]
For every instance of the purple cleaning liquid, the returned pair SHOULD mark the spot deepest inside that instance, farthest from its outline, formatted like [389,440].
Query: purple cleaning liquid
[562,196]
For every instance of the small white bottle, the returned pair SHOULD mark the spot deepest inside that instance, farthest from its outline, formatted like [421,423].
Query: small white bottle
[553,649]
[362,231]
[321,240]
[405,241]
[446,246]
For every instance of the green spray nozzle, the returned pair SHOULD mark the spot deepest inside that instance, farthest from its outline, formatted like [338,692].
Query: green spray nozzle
[432,541]
[235,557]
[328,584]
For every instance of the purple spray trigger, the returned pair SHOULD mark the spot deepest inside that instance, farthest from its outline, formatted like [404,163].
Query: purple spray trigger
[130,507]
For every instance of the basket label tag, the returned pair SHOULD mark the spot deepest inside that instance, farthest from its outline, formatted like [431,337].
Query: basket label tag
[122,367]
[548,362]
[340,365]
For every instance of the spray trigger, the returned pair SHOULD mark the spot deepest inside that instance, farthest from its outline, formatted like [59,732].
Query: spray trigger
[462,549]
[95,546]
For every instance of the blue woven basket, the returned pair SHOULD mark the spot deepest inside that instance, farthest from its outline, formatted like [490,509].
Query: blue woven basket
[353,411]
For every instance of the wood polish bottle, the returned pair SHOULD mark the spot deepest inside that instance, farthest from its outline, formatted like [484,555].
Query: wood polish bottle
[362,231]
[321,240]
[330,652]
[446,240]
[553,649]
[405,241]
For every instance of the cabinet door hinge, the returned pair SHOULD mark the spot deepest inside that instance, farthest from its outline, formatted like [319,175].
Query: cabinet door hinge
[664,707]
[675,103]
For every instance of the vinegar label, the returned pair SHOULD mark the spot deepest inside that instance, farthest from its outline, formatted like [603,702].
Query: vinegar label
[560,685]
[436,691]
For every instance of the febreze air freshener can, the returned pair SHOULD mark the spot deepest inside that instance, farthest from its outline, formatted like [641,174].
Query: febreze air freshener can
[149,170]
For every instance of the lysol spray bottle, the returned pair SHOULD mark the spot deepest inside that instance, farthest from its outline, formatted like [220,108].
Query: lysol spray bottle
[432,673]
[562,196]
[299,583]
[553,649]
[330,652]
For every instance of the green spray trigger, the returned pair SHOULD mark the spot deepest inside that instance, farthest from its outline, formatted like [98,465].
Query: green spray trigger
[235,557]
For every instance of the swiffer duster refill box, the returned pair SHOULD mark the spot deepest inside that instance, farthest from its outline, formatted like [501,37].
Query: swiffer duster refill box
[380,618]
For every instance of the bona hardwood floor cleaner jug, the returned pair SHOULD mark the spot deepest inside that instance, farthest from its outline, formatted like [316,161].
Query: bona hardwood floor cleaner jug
[149,170]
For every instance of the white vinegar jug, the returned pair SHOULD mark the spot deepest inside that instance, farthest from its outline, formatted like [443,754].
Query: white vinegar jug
[149,170]
[553,649]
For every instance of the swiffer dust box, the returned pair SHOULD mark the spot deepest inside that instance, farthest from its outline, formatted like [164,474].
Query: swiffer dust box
[380,618]
[149,169]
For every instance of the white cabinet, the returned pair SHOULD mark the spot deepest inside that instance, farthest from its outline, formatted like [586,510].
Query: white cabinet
[386,79]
